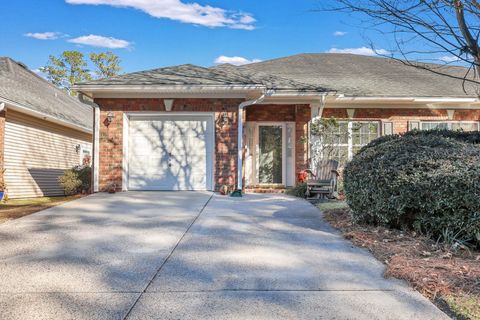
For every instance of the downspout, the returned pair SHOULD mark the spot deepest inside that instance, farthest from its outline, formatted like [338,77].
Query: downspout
[242,106]
[95,142]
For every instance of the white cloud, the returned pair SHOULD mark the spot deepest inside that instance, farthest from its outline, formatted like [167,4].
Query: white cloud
[449,59]
[237,61]
[364,51]
[43,35]
[40,73]
[339,33]
[193,13]
[101,42]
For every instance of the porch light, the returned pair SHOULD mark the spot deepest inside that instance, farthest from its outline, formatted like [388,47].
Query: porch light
[110,117]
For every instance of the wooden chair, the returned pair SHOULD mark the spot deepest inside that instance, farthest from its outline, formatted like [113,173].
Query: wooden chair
[323,183]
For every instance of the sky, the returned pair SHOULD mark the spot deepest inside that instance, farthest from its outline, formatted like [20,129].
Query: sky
[149,34]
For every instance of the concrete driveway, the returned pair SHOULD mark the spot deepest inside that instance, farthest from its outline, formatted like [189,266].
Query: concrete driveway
[192,255]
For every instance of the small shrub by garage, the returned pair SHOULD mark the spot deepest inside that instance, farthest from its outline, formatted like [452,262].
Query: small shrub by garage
[423,180]
[76,180]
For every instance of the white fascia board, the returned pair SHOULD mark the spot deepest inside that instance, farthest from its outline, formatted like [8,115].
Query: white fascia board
[37,114]
[406,99]
[295,97]
[166,88]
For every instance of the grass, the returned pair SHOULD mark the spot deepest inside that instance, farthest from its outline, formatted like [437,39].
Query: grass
[449,278]
[467,306]
[330,205]
[16,208]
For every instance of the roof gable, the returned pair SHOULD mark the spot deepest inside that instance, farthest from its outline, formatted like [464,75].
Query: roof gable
[22,86]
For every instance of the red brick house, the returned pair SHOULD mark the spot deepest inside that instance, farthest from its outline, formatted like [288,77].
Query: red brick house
[179,128]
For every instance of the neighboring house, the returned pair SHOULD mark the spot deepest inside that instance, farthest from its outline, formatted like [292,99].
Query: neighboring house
[179,128]
[43,131]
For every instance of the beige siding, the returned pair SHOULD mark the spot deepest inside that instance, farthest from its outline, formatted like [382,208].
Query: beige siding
[36,153]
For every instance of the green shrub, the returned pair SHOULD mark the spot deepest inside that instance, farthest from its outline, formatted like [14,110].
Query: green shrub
[423,180]
[298,191]
[76,180]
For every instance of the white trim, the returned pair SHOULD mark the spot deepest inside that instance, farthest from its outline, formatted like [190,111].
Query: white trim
[37,114]
[407,99]
[83,147]
[449,122]
[125,143]
[350,113]
[166,88]
[350,145]
[138,114]
[133,114]
[242,106]
[350,139]
[450,114]
[96,148]
[170,95]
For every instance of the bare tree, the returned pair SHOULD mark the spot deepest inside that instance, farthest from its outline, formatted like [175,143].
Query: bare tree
[425,31]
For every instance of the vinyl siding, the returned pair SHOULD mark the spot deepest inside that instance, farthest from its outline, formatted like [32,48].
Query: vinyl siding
[36,154]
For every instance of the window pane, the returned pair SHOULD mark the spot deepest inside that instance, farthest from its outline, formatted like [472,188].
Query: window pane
[464,126]
[365,132]
[434,125]
[270,157]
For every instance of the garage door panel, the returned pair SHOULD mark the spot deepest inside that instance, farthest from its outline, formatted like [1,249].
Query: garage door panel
[171,153]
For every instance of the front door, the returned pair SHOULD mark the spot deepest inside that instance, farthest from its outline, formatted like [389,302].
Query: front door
[270,155]
[270,151]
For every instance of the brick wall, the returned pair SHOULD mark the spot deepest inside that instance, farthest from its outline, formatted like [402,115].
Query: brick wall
[111,144]
[298,113]
[400,117]
[225,167]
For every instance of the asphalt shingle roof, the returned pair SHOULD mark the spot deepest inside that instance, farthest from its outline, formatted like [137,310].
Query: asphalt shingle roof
[348,74]
[356,75]
[20,85]
[189,74]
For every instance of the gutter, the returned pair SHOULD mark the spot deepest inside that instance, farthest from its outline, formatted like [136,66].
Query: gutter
[165,88]
[95,140]
[37,114]
[341,98]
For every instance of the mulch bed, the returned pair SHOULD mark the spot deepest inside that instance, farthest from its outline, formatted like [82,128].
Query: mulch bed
[435,270]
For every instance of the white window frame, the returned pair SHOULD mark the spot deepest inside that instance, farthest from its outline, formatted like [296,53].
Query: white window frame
[84,147]
[254,154]
[449,123]
[350,144]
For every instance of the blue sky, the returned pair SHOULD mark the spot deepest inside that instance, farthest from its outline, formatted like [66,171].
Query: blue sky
[155,33]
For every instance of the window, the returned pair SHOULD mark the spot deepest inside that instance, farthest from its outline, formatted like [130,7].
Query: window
[450,125]
[346,138]
[85,155]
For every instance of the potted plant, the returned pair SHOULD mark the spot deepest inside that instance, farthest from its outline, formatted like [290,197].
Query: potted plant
[112,187]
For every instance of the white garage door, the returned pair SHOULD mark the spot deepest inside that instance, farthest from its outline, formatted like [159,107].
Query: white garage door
[173,152]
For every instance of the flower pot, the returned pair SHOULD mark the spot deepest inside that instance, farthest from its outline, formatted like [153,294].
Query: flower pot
[2,193]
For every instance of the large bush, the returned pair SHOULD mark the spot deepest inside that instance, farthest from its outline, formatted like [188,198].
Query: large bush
[76,180]
[425,180]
